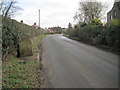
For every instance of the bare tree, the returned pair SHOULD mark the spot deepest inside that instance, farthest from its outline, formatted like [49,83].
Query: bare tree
[78,17]
[8,8]
[90,10]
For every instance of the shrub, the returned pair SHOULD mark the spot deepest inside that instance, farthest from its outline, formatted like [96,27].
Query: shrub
[114,22]
[89,32]
[76,26]
[95,33]
[13,33]
[113,36]
[25,47]
[84,34]
[101,38]
[10,35]
[82,24]
[96,22]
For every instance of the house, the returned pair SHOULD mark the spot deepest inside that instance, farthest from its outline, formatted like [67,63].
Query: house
[55,29]
[35,26]
[114,13]
[64,29]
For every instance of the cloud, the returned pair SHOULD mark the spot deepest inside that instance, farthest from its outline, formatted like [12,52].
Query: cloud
[53,12]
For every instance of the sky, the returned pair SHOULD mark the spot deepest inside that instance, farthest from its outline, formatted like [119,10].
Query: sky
[52,12]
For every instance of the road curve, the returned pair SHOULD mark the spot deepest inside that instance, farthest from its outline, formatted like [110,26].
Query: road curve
[71,64]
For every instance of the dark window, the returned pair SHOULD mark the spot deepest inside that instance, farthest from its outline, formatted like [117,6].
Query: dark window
[111,17]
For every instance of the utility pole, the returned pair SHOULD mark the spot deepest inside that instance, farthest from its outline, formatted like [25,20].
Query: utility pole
[39,18]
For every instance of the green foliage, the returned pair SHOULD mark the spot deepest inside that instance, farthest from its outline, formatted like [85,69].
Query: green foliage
[22,73]
[19,74]
[25,47]
[89,33]
[10,35]
[96,22]
[83,36]
[101,38]
[113,37]
[14,32]
[82,24]
[114,22]
[97,34]
[36,42]
[76,26]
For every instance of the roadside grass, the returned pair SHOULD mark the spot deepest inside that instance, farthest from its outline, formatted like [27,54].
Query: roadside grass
[66,35]
[17,73]
[74,38]
[36,43]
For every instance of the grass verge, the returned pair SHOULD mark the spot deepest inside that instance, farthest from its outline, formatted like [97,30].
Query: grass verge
[20,73]
[36,42]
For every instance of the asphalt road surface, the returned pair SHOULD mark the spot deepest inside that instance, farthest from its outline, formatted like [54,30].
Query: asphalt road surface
[71,64]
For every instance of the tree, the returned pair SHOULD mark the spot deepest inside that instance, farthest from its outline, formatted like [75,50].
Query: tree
[8,8]
[96,22]
[89,10]
[78,17]
[69,25]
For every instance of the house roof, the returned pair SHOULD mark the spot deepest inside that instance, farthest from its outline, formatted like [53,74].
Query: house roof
[115,4]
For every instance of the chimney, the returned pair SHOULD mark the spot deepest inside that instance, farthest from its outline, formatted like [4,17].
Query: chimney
[21,21]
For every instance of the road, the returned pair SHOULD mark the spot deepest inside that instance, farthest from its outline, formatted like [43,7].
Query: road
[71,64]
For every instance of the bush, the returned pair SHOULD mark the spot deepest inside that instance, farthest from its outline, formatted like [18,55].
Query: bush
[25,48]
[76,26]
[82,24]
[114,22]
[83,36]
[10,36]
[95,33]
[96,22]
[89,33]
[13,33]
[113,36]
[74,33]
[101,38]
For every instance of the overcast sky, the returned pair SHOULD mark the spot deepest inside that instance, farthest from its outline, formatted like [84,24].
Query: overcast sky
[53,12]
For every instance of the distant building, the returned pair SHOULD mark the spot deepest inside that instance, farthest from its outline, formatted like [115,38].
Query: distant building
[114,13]
[55,29]
[64,29]
[35,26]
